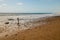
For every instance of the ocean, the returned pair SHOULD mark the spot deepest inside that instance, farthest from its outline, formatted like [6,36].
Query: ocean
[18,14]
[26,15]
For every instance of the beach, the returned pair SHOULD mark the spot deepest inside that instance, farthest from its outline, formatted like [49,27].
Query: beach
[45,28]
[29,19]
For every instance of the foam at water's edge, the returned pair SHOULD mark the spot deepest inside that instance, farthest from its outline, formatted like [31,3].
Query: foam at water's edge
[56,14]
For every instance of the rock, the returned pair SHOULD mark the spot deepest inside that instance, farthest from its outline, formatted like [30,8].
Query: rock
[6,22]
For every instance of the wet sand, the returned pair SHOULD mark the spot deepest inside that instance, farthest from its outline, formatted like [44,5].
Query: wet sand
[48,31]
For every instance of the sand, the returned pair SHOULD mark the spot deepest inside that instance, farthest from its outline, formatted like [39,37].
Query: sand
[48,31]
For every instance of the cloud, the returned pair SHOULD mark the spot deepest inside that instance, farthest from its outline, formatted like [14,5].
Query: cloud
[19,4]
[2,0]
[3,5]
[11,9]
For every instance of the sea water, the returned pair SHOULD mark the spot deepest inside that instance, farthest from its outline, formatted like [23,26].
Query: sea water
[22,16]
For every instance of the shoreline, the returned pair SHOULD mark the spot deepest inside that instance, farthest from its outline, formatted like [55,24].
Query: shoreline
[41,23]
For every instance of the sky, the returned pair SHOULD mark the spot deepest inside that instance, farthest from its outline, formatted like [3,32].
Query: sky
[29,6]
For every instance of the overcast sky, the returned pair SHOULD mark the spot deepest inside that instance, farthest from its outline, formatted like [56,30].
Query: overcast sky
[30,6]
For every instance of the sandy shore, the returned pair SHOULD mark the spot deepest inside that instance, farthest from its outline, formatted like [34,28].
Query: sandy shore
[50,30]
